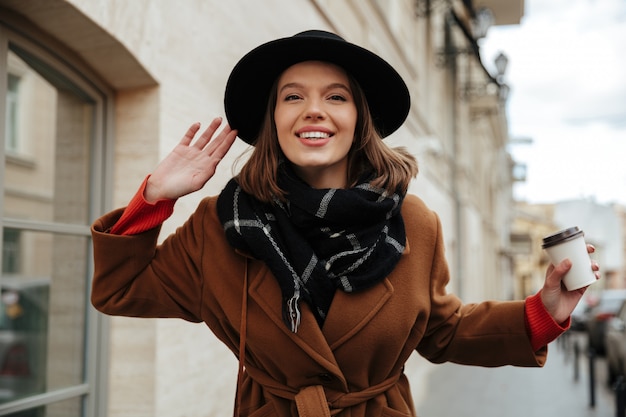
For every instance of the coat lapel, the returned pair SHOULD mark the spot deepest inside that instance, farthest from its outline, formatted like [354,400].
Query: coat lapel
[264,290]
[350,312]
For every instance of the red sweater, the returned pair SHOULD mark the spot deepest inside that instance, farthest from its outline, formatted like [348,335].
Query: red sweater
[141,216]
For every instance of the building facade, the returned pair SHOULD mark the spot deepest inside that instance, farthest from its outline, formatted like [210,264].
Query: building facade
[98,91]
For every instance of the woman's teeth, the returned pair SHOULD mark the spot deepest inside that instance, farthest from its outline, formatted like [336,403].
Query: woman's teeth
[314,135]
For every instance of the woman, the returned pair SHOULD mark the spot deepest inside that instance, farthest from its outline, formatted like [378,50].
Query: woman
[312,265]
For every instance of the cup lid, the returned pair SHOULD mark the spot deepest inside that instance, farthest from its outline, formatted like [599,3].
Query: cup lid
[562,236]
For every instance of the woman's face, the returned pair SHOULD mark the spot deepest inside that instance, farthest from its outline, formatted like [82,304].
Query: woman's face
[315,119]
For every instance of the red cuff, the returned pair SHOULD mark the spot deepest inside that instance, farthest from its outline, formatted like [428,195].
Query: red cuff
[141,216]
[542,328]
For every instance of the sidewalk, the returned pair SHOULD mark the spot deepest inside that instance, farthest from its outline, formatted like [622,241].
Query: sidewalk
[551,391]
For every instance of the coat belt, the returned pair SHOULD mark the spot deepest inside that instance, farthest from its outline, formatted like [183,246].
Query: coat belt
[311,401]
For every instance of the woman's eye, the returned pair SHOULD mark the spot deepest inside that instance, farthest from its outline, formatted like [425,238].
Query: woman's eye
[291,97]
[337,97]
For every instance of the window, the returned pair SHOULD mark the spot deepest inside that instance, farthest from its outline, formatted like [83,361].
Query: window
[53,154]
[10,251]
[11,137]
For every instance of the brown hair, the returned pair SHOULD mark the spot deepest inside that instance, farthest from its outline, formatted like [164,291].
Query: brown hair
[394,167]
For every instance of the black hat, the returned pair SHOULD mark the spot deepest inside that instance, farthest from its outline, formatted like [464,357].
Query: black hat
[250,82]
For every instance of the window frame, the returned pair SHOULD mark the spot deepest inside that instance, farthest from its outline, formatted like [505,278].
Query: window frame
[15,31]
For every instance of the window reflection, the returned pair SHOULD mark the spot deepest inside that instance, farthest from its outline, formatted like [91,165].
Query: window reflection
[23,336]
[42,317]
[48,146]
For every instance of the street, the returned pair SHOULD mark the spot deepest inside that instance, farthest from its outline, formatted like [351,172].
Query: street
[551,391]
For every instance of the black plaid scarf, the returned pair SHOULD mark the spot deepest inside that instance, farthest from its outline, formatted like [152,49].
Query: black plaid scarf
[320,240]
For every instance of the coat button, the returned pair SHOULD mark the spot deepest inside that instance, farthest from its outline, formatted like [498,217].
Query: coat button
[325,377]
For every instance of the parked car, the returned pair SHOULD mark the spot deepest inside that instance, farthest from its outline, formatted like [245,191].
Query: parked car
[606,308]
[24,306]
[616,345]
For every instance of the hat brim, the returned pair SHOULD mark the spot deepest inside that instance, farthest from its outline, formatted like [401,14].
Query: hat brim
[251,80]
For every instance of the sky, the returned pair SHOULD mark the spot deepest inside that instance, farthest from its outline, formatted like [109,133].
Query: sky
[567,73]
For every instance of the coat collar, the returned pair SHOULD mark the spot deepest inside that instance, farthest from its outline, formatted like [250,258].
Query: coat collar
[264,291]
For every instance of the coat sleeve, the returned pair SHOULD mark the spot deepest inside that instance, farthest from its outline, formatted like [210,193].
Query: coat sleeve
[491,333]
[133,276]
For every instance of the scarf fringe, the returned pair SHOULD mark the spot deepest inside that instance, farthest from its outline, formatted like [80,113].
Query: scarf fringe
[291,312]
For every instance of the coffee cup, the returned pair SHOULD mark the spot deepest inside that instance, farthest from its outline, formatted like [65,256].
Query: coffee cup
[570,243]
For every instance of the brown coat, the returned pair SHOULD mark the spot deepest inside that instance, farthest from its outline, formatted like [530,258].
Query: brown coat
[354,362]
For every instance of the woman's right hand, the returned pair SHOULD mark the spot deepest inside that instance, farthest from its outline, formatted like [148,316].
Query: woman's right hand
[189,166]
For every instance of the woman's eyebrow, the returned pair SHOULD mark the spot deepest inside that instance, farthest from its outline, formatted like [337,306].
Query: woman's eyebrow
[290,85]
[338,85]
[328,87]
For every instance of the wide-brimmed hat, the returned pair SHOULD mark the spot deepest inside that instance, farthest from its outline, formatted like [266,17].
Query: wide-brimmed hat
[251,80]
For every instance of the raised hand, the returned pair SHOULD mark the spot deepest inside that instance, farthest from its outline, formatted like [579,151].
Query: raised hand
[558,301]
[190,165]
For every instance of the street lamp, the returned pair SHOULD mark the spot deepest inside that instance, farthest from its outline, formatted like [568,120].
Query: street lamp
[481,22]
[501,61]
[503,92]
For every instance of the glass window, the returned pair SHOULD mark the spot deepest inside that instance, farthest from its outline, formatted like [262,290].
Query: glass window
[42,319]
[48,180]
[10,251]
[53,150]
[11,136]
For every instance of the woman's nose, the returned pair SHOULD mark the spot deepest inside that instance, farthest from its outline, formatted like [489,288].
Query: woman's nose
[314,111]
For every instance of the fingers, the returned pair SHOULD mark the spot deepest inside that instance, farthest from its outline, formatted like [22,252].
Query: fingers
[219,147]
[191,132]
[223,142]
[206,136]
[555,276]
[226,135]
[595,267]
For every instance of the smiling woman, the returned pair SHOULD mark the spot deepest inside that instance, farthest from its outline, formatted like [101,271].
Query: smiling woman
[313,265]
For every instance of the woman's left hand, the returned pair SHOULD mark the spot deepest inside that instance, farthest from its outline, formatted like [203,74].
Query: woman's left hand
[556,298]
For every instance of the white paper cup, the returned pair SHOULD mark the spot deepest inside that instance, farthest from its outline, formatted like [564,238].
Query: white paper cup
[570,243]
